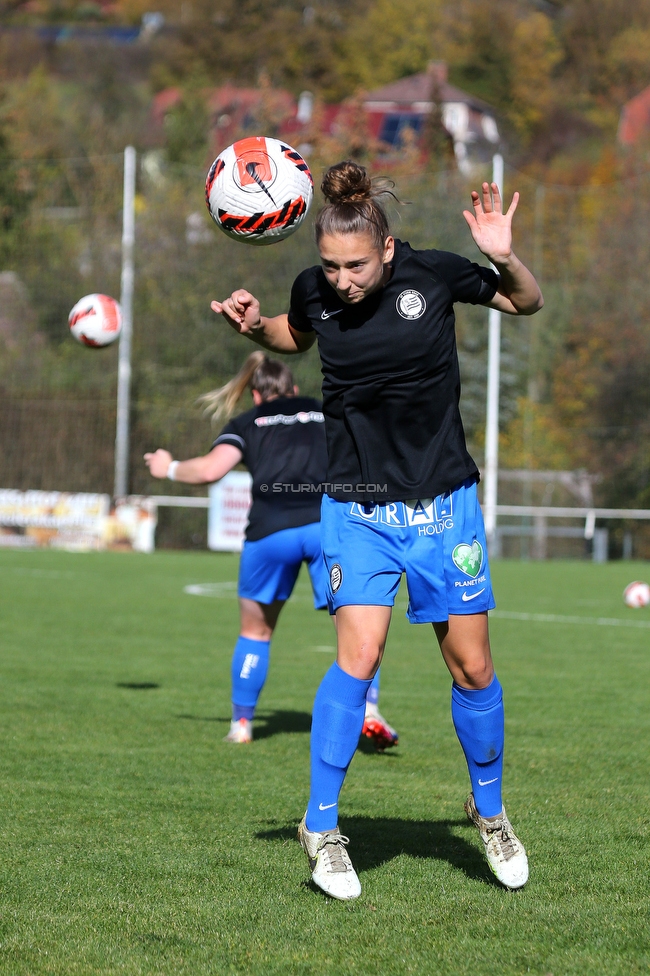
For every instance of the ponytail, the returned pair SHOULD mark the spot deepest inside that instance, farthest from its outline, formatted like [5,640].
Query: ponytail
[269,377]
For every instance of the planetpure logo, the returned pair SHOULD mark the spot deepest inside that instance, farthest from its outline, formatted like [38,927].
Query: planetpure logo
[468,559]
[411,304]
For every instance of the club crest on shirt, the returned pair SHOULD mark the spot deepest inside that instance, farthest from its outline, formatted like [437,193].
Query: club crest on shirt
[411,304]
[336,577]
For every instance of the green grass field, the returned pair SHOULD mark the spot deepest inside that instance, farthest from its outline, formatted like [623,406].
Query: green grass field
[134,841]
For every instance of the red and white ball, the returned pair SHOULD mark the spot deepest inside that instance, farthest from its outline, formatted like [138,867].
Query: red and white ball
[259,190]
[96,320]
[637,594]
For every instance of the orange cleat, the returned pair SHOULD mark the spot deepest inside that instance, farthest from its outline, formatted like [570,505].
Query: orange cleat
[377,729]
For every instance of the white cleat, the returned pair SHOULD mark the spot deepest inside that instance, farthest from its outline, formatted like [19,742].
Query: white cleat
[329,862]
[240,732]
[504,851]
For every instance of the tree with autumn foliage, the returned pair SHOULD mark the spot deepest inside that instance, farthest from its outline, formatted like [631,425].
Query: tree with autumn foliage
[557,74]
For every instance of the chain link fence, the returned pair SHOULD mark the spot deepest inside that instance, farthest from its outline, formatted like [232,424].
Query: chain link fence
[57,425]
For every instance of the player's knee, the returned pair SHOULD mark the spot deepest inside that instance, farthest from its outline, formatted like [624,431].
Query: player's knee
[362,660]
[257,632]
[478,674]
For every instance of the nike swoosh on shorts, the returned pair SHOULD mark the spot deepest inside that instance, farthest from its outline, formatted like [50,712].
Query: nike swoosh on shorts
[327,315]
[466,597]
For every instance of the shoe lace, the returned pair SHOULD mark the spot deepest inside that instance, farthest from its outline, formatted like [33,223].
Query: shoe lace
[502,831]
[334,847]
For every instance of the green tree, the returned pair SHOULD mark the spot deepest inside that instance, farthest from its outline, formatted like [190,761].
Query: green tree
[14,200]
[535,55]
[186,128]
[392,39]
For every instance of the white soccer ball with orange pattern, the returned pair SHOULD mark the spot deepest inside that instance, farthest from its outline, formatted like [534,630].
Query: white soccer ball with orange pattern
[96,320]
[637,594]
[259,190]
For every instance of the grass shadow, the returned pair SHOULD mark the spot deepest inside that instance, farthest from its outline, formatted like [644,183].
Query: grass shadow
[286,722]
[280,722]
[377,840]
[205,718]
[137,685]
[266,724]
[368,747]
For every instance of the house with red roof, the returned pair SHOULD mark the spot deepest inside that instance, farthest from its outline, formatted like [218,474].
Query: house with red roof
[634,124]
[234,111]
[470,122]
[389,112]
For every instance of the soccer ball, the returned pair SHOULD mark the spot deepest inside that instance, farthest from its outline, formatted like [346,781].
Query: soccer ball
[259,190]
[96,320]
[637,594]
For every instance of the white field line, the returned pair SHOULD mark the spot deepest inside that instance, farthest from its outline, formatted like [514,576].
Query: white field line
[228,590]
[41,573]
[556,618]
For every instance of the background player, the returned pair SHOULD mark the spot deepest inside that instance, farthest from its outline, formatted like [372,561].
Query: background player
[403,488]
[281,441]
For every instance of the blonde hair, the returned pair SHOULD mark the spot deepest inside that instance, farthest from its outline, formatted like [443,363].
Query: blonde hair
[269,377]
[354,204]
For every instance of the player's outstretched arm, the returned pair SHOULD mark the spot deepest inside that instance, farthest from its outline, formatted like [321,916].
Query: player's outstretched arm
[196,471]
[519,293]
[242,312]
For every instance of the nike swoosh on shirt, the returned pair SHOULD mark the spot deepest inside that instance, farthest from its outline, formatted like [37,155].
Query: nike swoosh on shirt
[471,596]
[327,315]
[488,781]
[328,807]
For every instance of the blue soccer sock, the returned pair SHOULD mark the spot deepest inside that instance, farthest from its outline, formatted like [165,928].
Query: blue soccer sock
[478,719]
[250,664]
[372,698]
[336,725]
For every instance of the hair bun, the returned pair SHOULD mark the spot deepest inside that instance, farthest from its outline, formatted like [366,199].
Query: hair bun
[346,182]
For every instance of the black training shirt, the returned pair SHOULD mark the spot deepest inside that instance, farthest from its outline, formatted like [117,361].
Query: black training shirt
[391,382]
[284,448]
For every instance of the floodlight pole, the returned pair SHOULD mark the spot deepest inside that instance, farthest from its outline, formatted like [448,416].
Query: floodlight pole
[121,486]
[491,467]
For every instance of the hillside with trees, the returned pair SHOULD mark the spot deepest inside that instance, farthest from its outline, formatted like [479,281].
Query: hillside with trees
[557,73]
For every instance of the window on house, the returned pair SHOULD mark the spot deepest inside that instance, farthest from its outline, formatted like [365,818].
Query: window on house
[394,123]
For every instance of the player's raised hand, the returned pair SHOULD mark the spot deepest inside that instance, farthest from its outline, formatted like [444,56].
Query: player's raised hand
[158,463]
[241,311]
[489,226]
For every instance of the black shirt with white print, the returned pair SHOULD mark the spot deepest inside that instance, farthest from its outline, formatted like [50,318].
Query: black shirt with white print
[283,446]
[391,382]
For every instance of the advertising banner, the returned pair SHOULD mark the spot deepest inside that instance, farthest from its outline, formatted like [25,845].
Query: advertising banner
[78,521]
[230,501]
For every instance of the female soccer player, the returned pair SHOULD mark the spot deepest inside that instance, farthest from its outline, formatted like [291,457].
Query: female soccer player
[401,494]
[282,443]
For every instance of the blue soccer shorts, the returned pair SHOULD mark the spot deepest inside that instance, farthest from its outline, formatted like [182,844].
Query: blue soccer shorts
[269,567]
[439,543]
